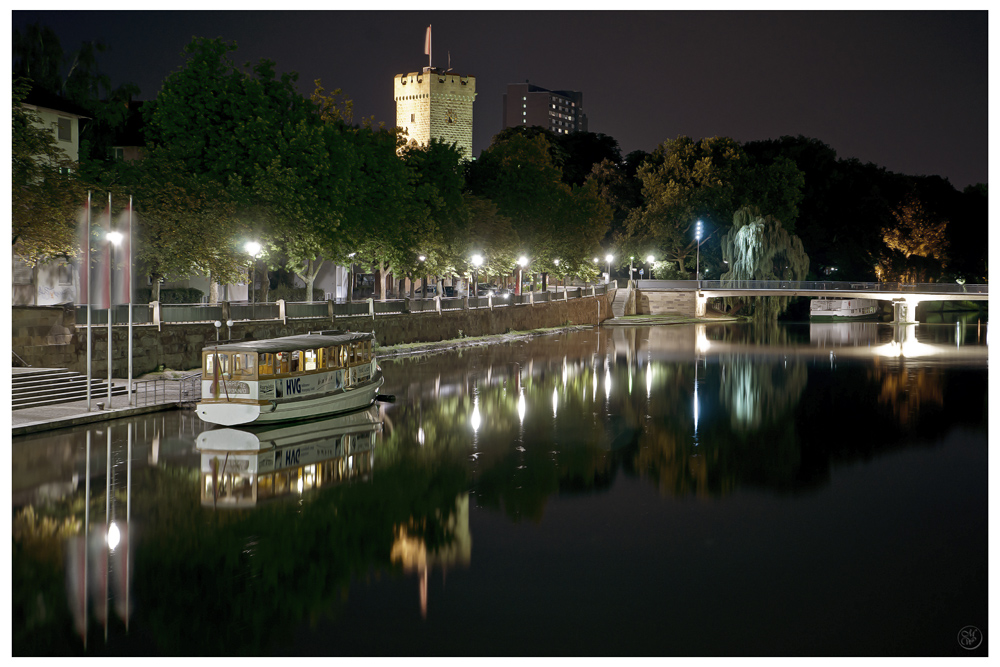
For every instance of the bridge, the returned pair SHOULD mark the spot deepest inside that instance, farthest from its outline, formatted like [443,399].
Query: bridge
[904,297]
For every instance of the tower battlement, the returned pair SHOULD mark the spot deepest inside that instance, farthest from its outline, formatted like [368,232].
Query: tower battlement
[436,104]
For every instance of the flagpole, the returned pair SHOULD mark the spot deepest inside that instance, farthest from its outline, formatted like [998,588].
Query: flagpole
[111,299]
[89,281]
[129,281]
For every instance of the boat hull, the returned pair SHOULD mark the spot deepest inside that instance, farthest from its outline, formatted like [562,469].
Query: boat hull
[296,408]
[843,310]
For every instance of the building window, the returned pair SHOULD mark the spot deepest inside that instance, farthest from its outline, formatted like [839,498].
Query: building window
[22,272]
[65,130]
[413,117]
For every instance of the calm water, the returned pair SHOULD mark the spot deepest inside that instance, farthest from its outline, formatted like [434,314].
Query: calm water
[686,490]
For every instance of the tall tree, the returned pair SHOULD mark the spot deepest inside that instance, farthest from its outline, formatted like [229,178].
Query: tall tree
[915,233]
[758,247]
[684,181]
[45,195]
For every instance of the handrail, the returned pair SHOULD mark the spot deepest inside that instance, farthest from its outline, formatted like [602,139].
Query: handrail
[23,362]
[188,389]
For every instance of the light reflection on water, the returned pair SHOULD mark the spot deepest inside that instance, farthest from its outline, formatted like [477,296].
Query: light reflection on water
[524,432]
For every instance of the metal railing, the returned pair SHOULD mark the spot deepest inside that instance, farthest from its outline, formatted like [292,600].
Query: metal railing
[176,313]
[156,391]
[815,286]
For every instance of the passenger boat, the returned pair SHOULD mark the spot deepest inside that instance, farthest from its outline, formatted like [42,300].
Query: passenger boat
[826,309]
[243,466]
[281,379]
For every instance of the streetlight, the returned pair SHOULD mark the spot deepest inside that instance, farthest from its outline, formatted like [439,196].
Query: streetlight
[421,258]
[556,262]
[630,260]
[608,257]
[253,248]
[522,262]
[649,260]
[697,236]
[477,261]
[115,238]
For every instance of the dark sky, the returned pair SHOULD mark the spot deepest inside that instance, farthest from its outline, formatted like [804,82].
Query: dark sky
[905,90]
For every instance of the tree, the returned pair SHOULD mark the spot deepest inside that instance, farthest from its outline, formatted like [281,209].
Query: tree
[45,196]
[916,233]
[759,248]
[583,151]
[77,78]
[551,219]
[685,181]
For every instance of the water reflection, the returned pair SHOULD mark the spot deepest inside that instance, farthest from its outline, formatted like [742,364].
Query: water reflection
[693,412]
[240,467]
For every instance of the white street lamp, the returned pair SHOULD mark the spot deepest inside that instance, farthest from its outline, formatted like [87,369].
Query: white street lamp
[253,248]
[697,236]
[477,261]
[522,262]
[115,238]
[609,257]
[649,260]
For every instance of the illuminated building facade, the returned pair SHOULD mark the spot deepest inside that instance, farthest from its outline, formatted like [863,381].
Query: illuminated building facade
[560,111]
[437,104]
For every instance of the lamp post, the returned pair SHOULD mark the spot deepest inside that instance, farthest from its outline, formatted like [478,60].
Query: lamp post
[477,261]
[521,263]
[697,261]
[631,259]
[649,260]
[114,238]
[423,286]
[608,257]
[253,248]
[556,262]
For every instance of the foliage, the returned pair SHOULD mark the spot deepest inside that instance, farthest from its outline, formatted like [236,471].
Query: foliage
[758,248]
[45,196]
[685,181]
[551,219]
[77,78]
[916,232]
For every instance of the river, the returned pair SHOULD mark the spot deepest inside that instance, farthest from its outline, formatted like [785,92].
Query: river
[691,490]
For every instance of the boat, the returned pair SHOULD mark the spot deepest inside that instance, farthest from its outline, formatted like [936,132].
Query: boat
[242,466]
[321,373]
[826,309]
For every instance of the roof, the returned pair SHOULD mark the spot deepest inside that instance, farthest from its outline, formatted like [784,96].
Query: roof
[41,98]
[290,343]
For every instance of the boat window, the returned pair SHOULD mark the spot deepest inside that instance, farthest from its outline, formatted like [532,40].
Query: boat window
[281,362]
[243,364]
[352,354]
[343,354]
[295,361]
[210,358]
[310,360]
[266,362]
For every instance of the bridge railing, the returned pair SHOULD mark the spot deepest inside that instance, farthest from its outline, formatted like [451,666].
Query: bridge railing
[815,286]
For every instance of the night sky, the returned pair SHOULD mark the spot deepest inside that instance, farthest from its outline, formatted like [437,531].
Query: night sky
[905,90]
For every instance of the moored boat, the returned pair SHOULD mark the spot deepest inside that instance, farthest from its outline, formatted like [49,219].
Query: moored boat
[291,378]
[826,309]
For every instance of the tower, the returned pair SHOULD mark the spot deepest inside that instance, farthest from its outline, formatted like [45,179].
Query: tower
[436,104]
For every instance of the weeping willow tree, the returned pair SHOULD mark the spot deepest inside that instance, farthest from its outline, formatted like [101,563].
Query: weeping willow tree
[758,248]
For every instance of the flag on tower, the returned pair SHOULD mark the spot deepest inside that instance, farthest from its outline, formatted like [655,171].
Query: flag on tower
[427,42]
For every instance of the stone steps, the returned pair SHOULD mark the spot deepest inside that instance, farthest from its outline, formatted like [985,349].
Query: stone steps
[34,387]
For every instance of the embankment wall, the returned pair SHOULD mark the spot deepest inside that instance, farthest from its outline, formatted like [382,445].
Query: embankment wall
[47,336]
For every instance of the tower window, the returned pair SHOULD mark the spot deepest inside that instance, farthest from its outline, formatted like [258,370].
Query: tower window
[413,117]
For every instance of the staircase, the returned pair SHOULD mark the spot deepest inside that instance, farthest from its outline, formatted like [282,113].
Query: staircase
[621,302]
[34,387]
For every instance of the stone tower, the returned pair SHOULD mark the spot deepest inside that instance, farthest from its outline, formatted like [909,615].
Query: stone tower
[436,104]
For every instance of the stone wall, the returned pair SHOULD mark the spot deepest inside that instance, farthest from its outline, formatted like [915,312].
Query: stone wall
[47,337]
[658,303]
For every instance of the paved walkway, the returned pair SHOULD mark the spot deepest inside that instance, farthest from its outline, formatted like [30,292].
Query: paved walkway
[64,415]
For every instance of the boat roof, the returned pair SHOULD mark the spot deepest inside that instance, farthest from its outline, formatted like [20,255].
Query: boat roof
[289,343]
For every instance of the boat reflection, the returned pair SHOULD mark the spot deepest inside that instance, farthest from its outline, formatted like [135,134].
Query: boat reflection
[243,466]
